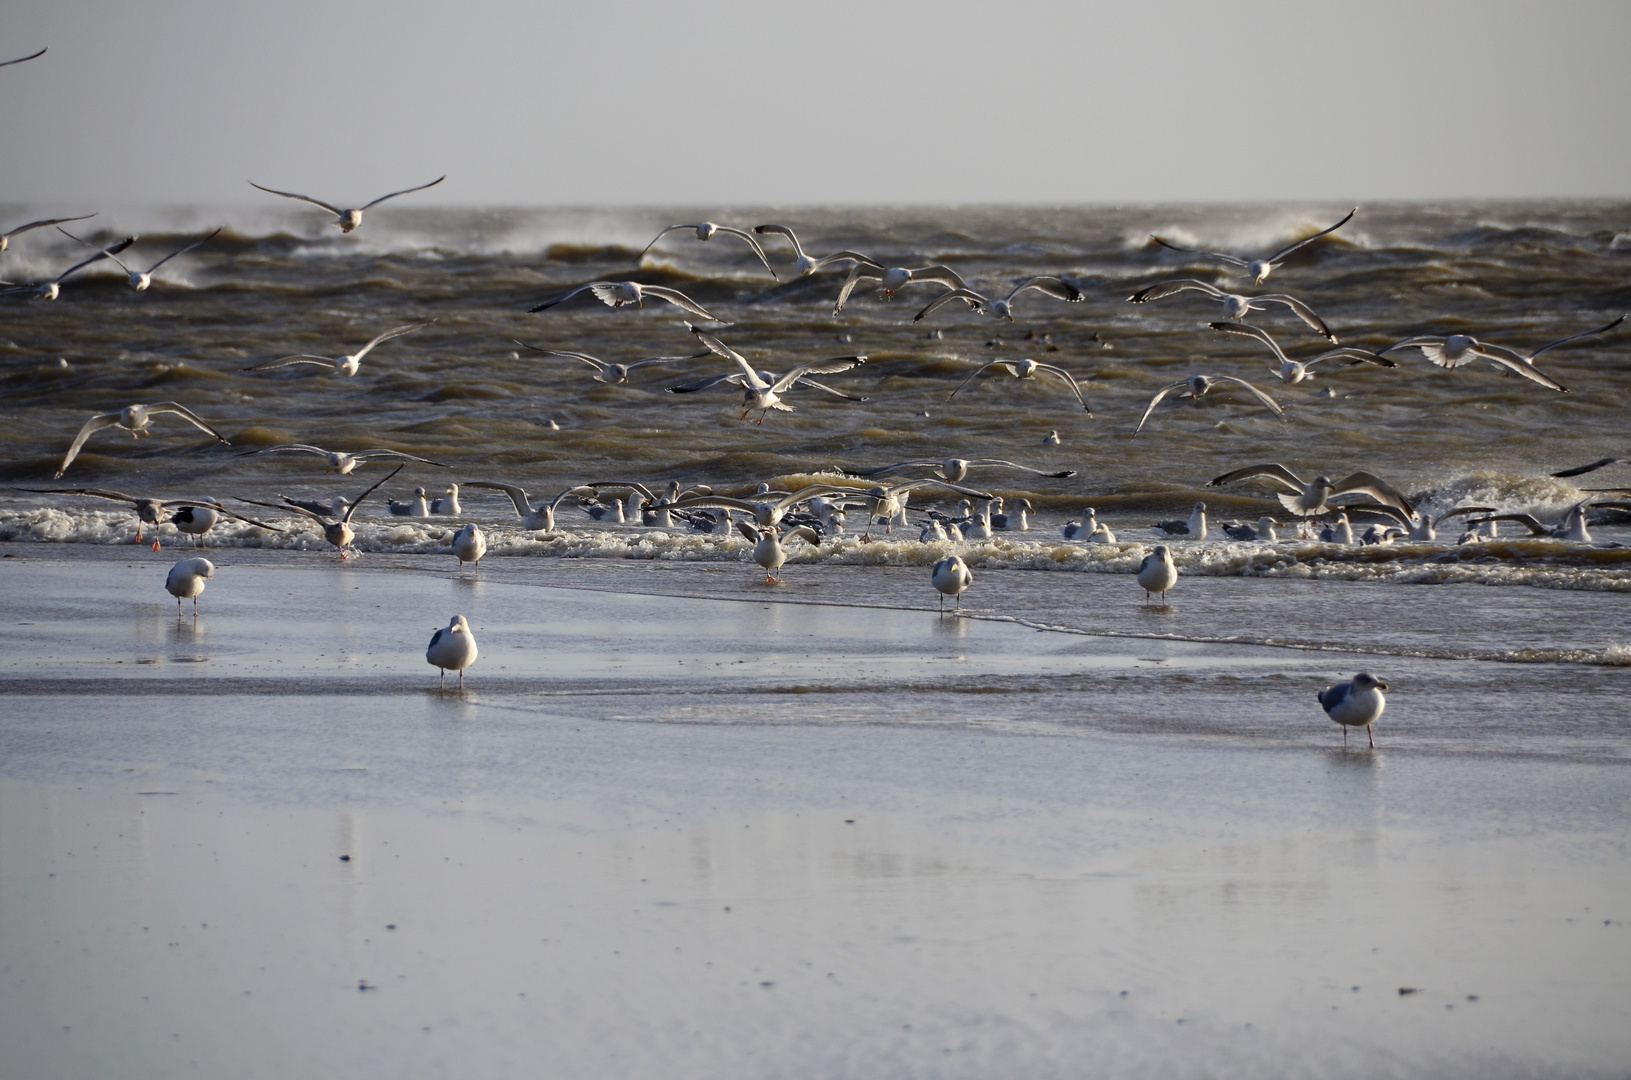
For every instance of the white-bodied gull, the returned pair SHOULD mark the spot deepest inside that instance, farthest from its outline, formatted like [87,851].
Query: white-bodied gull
[1196,386]
[621,293]
[1002,307]
[340,462]
[805,264]
[134,419]
[605,371]
[347,220]
[341,365]
[142,280]
[1029,369]
[1258,269]
[452,648]
[706,230]
[1235,305]
[1292,371]
[1355,704]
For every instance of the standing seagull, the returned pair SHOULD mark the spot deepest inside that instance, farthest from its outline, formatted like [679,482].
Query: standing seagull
[341,365]
[50,290]
[134,419]
[1157,574]
[1198,385]
[1355,704]
[805,264]
[951,577]
[1458,349]
[768,551]
[469,545]
[705,231]
[1029,369]
[621,293]
[1003,307]
[142,280]
[1235,305]
[186,579]
[1258,269]
[1292,371]
[452,648]
[347,220]
[5,237]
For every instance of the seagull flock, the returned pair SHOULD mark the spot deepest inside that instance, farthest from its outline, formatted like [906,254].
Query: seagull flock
[815,514]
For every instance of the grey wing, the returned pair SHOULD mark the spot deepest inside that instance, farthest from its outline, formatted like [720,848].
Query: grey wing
[547,304]
[1580,470]
[1577,337]
[1374,486]
[664,360]
[812,384]
[1054,287]
[517,495]
[1069,380]
[96,493]
[288,505]
[945,275]
[223,510]
[1007,365]
[709,383]
[186,414]
[1383,510]
[93,425]
[923,463]
[21,59]
[1230,259]
[973,299]
[641,257]
[352,509]
[184,250]
[830,366]
[1526,520]
[404,191]
[935,482]
[306,448]
[748,531]
[1353,356]
[1504,358]
[394,332]
[1240,329]
[1462,511]
[335,210]
[1156,400]
[1264,398]
[680,300]
[1423,343]
[47,221]
[1289,248]
[754,244]
[1303,312]
[105,253]
[434,638]
[1162,290]
[300,358]
[1271,470]
[365,455]
[853,256]
[1000,463]
[856,273]
[594,362]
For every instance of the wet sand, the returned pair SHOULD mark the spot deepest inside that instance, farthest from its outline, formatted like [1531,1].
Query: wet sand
[673,835]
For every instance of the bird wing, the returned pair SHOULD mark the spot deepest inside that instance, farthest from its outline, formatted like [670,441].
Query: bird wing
[709,383]
[821,367]
[184,250]
[1275,259]
[1392,512]
[680,300]
[781,230]
[404,191]
[1526,520]
[594,362]
[748,531]
[218,508]
[1580,470]
[812,384]
[286,505]
[1423,343]
[305,448]
[1264,398]
[1156,400]
[1163,289]
[1353,356]
[922,463]
[719,348]
[335,210]
[1240,329]
[1374,486]
[394,332]
[299,358]
[1303,312]
[188,415]
[105,253]
[379,452]
[1054,287]
[352,509]
[752,243]
[854,256]
[547,304]
[974,300]
[20,59]
[856,273]
[945,275]
[517,495]
[94,424]
[46,221]
[805,533]
[1270,470]
[638,259]
[1006,364]
[1504,357]
[1230,259]
[999,463]
[1069,380]
[87,243]
[936,482]
[95,493]
[1462,511]
[663,360]
[1577,337]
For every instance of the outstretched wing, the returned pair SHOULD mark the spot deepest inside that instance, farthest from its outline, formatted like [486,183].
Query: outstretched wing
[1264,398]
[394,332]
[1577,337]
[1270,470]
[301,358]
[1254,332]
[594,362]
[1580,470]
[1069,380]
[752,243]
[1505,359]
[186,414]
[638,259]
[47,221]
[1054,287]
[1303,311]
[95,493]
[379,452]
[1006,365]
[735,378]
[184,251]
[999,463]
[404,191]
[680,300]
[304,448]
[922,463]
[1278,256]
[517,495]
[93,425]
[820,367]
[1162,290]
[1230,259]
[1374,486]
[352,509]
[1156,400]
[547,304]
[335,210]
[718,347]
[972,298]
[105,253]
[21,59]
[857,272]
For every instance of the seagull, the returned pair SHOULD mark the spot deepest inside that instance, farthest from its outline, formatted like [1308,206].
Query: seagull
[889,502]
[1002,308]
[1264,531]
[150,511]
[1355,704]
[767,511]
[768,551]
[50,290]
[134,419]
[19,60]
[341,462]
[1419,528]
[342,365]
[763,393]
[1572,527]
[1458,349]
[1341,532]
[1198,385]
[1258,269]
[1028,369]
[5,237]
[736,378]
[142,280]
[1156,573]
[803,263]
[1310,498]
[415,508]
[186,579]
[705,231]
[950,577]
[1081,530]
[347,220]
[469,545]
[1194,528]
[452,648]
[1018,521]
[1052,437]
[607,372]
[1292,371]
[1102,535]
[1235,305]
[619,293]
[954,470]
[448,506]
[894,278]
[338,530]
[334,508]
[533,519]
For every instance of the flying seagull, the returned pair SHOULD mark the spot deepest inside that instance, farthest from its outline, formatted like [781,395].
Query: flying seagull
[1029,369]
[142,280]
[1295,371]
[805,264]
[1002,307]
[50,290]
[1235,305]
[134,419]
[341,365]
[347,220]
[5,237]
[1310,498]
[605,371]
[706,230]
[1198,385]
[1258,269]
[620,293]
[339,462]
[1456,349]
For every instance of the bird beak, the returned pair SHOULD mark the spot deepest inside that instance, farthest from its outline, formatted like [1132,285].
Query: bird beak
[1381,686]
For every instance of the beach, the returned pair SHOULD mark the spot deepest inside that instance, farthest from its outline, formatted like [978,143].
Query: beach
[681,823]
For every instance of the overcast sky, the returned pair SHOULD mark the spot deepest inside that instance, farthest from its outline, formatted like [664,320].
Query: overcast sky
[542,103]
